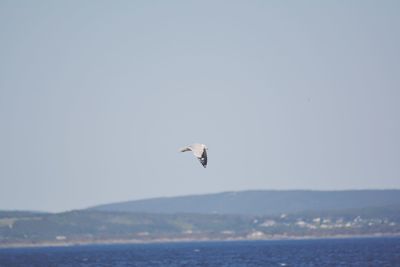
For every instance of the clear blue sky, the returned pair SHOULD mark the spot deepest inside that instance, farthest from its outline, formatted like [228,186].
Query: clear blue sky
[96,98]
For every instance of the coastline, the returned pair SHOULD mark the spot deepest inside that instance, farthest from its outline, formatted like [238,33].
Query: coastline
[77,243]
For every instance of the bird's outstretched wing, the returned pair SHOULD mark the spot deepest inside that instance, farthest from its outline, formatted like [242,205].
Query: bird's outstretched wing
[203,158]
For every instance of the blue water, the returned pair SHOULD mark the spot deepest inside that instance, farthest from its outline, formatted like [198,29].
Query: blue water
[324,252]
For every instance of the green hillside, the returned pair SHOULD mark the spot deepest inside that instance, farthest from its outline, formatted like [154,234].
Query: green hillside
[90,226]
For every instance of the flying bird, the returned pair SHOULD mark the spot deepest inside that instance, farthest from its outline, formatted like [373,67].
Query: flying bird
[200,152]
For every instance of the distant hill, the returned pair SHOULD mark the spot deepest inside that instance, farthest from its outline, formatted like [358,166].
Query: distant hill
[242,215]
[267,202]
[90,226]
[19,213]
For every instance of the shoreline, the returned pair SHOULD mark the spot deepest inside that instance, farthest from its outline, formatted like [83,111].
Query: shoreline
[184,240]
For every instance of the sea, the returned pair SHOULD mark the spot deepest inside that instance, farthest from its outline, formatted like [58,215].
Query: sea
[317,252]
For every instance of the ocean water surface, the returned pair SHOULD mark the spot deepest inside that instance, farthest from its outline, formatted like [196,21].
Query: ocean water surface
[321,252]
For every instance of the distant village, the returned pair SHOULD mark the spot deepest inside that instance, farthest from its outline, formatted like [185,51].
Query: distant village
[87,227]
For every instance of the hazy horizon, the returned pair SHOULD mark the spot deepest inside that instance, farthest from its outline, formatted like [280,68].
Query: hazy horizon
[97,97]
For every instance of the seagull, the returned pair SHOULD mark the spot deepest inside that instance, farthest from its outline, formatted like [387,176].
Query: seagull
[199,150]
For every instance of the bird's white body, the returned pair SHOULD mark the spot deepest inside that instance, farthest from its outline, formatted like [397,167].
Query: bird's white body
[199,151]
